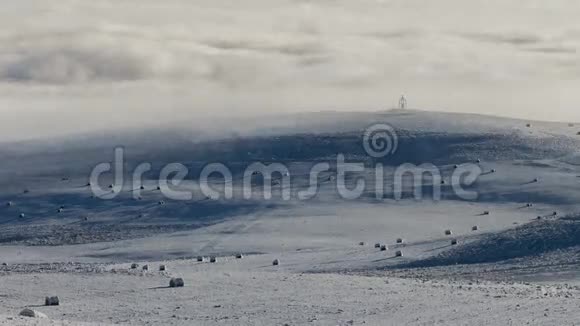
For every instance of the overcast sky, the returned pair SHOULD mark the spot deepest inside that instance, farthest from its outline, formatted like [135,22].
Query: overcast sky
[79,65]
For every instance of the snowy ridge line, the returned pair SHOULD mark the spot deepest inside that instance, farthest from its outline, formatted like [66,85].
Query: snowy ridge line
[531,239]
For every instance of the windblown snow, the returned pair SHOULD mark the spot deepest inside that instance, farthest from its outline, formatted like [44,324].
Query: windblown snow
[514,261]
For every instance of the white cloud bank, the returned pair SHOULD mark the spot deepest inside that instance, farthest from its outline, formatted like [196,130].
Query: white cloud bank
[75,66]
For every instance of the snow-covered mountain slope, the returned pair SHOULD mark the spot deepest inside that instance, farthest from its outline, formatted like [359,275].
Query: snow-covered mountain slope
[423,136]
[528,169]
[55,175]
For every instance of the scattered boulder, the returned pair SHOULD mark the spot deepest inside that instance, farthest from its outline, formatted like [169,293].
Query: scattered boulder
[399,253]
[239,256]
[26,191]
[161,268]
[474,228]
[536,180]
[454,242]
[158,188]
[213,259]
[145,267]
[486,213]
[478,161]
[493,170]
[455,166]
[142,187]
[384,248]
[176,282]
[161,202]
[21,215]
[555,214]
[529,125]
[9,204]
[51,301]
[26,312]
[200,258]
[134,266]
[60,210]
[443,182]
[362,243]
[88,184]
[86,218]
[448,232]
[377,245]
[276,262]
[400,240]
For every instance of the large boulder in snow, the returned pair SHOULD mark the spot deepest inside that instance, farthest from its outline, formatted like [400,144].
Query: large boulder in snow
[26,312]
[176,282]
[51,301]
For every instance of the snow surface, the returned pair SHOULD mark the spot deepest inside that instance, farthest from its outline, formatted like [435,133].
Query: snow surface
[504,273]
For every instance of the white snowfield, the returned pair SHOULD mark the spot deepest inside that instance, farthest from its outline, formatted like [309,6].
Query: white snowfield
[513,269]
[252,292]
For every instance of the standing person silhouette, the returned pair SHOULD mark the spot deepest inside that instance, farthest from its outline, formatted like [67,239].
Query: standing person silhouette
[403,102]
